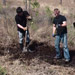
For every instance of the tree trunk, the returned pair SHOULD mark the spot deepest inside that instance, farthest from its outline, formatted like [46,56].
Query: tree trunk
[61,2]
[26,4]
[4,2]
[29,5]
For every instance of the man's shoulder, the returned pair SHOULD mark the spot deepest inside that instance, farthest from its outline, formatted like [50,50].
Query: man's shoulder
[25,12]
[62,16]
[16,17]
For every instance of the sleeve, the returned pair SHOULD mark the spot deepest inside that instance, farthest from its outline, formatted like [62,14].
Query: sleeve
[64,18]
[17,20]
[53,21]
[26,13]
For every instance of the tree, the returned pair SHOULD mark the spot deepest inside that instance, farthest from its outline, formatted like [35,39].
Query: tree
[4,2]
[60,1]
[26,4]
[29,5]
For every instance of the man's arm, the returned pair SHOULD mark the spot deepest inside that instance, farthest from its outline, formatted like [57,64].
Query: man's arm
[64,24]
[29,17]
[64,21]
[18,23]
[54,29]
[24,28]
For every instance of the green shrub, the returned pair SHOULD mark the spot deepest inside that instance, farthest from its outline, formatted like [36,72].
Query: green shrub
[48,11]
[35,4]
[49,15]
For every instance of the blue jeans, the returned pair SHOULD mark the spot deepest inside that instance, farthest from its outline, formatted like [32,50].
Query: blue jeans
[62,38]
[22,36]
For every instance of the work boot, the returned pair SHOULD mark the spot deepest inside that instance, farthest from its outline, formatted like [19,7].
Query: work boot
[57,57]
[67,61]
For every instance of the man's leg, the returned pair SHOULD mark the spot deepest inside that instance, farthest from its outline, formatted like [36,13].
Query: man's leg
[57,46]
[20,39]
[66,50]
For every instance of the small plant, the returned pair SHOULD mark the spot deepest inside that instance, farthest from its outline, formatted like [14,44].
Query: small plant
[2,71]
[35,4]
[49,14]
[48,11]
[35,8]
[33,26]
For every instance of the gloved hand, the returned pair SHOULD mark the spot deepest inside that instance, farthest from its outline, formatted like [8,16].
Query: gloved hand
[53,35]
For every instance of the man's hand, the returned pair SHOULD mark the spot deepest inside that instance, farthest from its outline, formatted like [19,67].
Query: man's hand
[54,30]
[24,28]
[29,17]
[53,35]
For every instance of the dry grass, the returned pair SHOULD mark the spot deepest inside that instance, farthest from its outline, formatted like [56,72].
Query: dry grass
[40,62]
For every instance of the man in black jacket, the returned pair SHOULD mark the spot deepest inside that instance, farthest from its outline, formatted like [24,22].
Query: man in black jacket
[21,21]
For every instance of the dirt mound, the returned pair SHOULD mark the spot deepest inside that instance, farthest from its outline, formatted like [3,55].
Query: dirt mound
[43,51]
[39,62]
